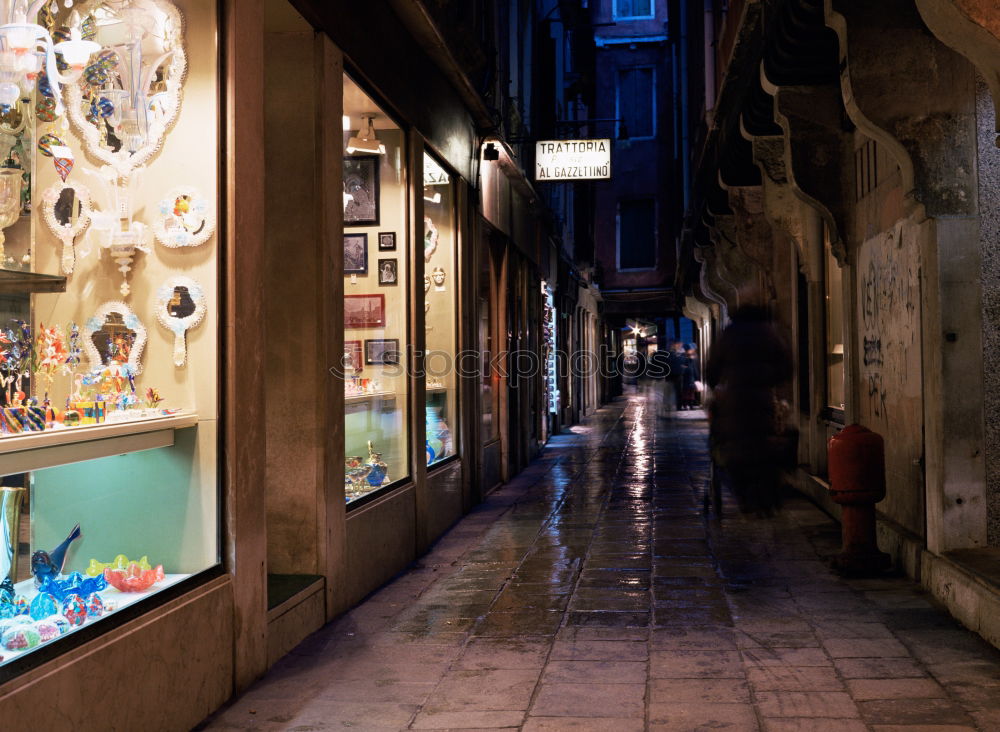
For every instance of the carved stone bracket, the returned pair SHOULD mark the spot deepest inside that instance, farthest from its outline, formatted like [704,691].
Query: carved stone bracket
[971,27]
[918,101]
[817,152]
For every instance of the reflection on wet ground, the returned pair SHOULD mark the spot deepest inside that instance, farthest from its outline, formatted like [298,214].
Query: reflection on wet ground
[591,593]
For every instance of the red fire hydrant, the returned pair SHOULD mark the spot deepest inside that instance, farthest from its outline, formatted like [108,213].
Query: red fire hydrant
[856,463]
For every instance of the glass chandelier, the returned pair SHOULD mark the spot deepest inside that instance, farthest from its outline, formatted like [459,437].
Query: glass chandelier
[26,47]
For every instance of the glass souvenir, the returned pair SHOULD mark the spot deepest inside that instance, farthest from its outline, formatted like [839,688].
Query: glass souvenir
[47,630]
[43,605]
[95,605]
[74,610]
[20,638]
[134,578]
[379,470]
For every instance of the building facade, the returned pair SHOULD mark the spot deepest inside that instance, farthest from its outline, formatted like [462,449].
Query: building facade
[852,190]
[369,259]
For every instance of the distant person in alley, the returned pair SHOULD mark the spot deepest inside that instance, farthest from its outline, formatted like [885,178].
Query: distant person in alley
[750,439]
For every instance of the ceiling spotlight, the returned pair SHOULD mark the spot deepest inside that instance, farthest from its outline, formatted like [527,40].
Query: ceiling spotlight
[491,152]
[366,140]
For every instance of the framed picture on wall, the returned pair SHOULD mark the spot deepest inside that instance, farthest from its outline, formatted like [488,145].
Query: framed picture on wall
[352,355]
[382,351]
[361,193]
[355,254]
[387,241]
[388,273]
[364,311]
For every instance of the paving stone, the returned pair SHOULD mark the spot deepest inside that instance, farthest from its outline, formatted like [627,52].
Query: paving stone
[913,711]
[786,678]
[867,689]
[497,653]
[582,724]
[695,664]
[865,648]
[595,672]
[591,594]
[709,691]
[826,704]
[812,724]
[682,717]
[483,690]
[599,650]
[466,720]
[879,668]
[785,657]
[590,700]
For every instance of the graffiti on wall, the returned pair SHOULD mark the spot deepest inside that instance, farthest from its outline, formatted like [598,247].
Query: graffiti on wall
[889,283]
[889,361]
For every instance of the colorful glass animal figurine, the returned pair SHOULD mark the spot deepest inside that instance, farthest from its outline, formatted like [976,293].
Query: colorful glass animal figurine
[46,565]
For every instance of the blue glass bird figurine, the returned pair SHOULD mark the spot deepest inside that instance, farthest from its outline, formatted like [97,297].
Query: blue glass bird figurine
[49,565]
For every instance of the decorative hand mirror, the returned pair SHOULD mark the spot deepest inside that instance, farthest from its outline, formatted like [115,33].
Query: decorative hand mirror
[129,95]
[114,335]
[185,219]
[180,306]
[67,211]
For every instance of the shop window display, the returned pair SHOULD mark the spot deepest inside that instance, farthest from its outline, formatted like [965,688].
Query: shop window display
[376,286]
[440,299]
[108,311]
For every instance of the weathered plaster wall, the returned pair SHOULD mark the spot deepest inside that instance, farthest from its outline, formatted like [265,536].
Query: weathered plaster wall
[989,235]
[889,354]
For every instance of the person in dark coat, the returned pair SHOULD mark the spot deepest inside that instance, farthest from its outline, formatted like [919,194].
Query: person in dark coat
[749,439]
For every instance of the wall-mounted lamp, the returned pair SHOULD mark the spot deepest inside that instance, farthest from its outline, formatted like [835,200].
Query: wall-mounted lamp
[366,141]
[491,152]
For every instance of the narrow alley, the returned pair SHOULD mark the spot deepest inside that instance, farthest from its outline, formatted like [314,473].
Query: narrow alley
[592,593]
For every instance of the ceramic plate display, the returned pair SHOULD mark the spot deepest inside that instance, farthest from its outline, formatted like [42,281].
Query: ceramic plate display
[114,337]
[184,219]
[66,209]
[180,306]
[130,93]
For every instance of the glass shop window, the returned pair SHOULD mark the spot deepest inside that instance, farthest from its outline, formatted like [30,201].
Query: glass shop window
[637,234]
[834,299]
[376,287]
[636,103]
[109,339]
[440,311]
[633,9]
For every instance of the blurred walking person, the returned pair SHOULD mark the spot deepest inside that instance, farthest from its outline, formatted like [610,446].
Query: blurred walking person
[749,437]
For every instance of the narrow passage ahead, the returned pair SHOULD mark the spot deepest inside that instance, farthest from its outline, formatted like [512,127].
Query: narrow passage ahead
[592,594]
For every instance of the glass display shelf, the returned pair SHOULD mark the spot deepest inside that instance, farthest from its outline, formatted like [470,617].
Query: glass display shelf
[20,282]
[118,600]
[37,450]
[379,395]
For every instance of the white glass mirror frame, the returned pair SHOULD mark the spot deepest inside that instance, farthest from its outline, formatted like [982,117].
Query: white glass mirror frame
[131,321]
[122,162]
[67,233]
[180,326]
[203,206]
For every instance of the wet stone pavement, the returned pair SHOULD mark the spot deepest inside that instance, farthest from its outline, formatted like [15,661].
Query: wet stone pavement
[591,593]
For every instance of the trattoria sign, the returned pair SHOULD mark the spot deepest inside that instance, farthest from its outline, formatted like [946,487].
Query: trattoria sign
[559,160]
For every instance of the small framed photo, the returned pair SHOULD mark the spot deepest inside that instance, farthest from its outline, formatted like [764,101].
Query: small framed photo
[364,311]
[387,241]
[382,351]
[353,356]
[388,273]
[361,184]
[355,254]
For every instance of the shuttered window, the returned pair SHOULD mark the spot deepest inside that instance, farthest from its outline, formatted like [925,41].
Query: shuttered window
[636,105]
[633,9]
[637,234]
